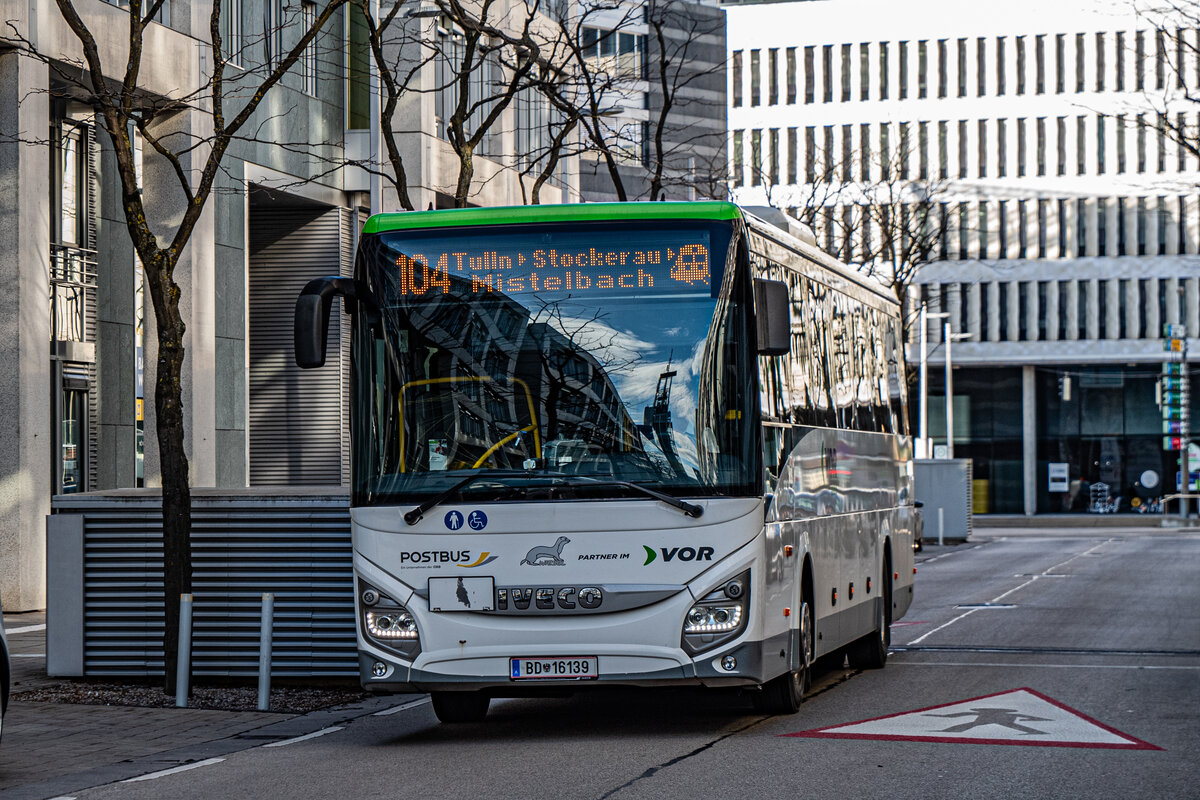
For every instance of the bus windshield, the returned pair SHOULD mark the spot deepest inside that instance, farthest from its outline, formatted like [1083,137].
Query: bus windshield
[613,351]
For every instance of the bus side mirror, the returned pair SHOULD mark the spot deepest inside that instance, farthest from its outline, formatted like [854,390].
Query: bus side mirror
[773,311]
[311,327]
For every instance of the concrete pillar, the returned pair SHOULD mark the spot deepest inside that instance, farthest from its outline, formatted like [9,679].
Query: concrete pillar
[1191,226]
[1132,308]
[116,346]
[1112,309]
[974,233]
[1151,226]
[195,275]
[1072,309]
[974,312]
[25,440]
[933,297]
[1092,323]
[1031,228]
[1052,222]
[994,311]
[1112,227]
[1153,318]
[953,228]
[1051,311]
[1130,223]
[1032,312]
[1091,246]
[1172,209]
[953,305]
[1012,227]
[1029,437]
[1071,246]
[1013,311]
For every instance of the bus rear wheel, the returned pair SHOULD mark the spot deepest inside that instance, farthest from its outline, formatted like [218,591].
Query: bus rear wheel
[454,707]
[871,651]
[784,694]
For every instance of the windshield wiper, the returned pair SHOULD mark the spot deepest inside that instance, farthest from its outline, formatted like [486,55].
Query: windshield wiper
[414,516]
[691,509]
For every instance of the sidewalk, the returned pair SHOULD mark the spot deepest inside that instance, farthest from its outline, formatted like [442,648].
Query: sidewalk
[53,749]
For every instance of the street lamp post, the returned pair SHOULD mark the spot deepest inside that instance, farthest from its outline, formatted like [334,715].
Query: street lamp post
[923,424]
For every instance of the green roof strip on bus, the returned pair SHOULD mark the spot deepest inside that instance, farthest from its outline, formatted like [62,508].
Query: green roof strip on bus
[574,212]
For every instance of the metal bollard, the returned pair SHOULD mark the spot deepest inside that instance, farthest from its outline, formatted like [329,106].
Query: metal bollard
[941,525]
[264,651]
[183,669]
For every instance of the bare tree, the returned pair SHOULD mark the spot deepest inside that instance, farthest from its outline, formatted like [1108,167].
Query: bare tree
[228,104]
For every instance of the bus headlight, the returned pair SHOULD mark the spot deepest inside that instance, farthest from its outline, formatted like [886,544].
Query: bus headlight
[387,623]
[719,616]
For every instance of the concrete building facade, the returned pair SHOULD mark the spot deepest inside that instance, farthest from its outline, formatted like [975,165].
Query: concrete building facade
[1069,215]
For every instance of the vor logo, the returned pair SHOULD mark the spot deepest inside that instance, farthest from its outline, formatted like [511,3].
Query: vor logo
[547,556]
[680,553]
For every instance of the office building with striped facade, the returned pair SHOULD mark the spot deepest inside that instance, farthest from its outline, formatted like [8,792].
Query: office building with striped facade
[1045,136]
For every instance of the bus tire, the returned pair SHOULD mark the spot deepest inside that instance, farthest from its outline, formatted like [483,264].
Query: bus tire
[452,707]
[871,651]
[784,694]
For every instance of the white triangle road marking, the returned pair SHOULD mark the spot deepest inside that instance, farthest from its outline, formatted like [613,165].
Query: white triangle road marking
[1016,717]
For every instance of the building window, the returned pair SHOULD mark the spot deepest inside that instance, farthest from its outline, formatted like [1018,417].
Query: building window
[272,33]
[981,66]
[827,73]
[883,71]
[308,59]
[1100,144]
[774,168]
[943,154]
[983,229]
[1061,130]
[1081,145]
[1041,146]
[1022,230]
[982,148]
[756,159]
[1119,61]
[810,75]
[1141,143]
[358,72]
[1160,59]
[1020,65]
[1021,147]
[962,148]
[1139,61]
[922,70]
[1181,126]
[903,76]
[810,154]
[1039,57]
[755,77]
[1000,77]
[735,69]
[739,173]
[1002,227]
[885,154]
[1079,58]
[791,146]
[1042,206]
[1161,138]
[943,67]
[1099,62]
[864,139]
[1001,144]
[827,173]
[773,77]
[1120,143]
[962,67]
[847,152]
[1060,63]
[903,150]
[864,71]
[790,60]
[1181,55]
[846,76]
[231,31]
[923,150]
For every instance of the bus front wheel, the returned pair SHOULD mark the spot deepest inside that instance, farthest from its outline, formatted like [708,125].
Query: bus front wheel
[784,694]
[460,706]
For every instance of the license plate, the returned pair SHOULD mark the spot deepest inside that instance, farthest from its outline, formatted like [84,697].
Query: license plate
[561,668]
[462,594]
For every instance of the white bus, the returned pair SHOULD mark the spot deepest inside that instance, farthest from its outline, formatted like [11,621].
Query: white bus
[658,444]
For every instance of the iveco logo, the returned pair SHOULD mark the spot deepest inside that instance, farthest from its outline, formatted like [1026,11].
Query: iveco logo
[546,598]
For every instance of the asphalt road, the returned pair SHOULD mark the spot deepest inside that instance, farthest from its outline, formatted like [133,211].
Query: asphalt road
[1101,631]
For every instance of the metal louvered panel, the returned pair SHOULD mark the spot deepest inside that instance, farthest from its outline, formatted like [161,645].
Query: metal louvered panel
[297,548]
[298,433]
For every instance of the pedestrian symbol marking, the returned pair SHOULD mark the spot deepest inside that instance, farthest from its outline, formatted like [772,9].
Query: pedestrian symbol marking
[1015,717]
[453,520]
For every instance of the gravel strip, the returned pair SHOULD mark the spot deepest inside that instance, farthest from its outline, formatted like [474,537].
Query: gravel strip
[284,700]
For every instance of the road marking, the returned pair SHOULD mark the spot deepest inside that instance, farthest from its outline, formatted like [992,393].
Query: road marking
[997,599]
[305,737]
[397,709]
[173,770]
[1035,666]
[1016,717]
[26,629]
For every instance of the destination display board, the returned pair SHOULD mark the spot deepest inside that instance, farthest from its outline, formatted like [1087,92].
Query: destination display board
[577,262]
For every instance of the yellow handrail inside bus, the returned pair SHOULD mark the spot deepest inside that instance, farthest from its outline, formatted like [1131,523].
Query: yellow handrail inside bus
[537,438]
